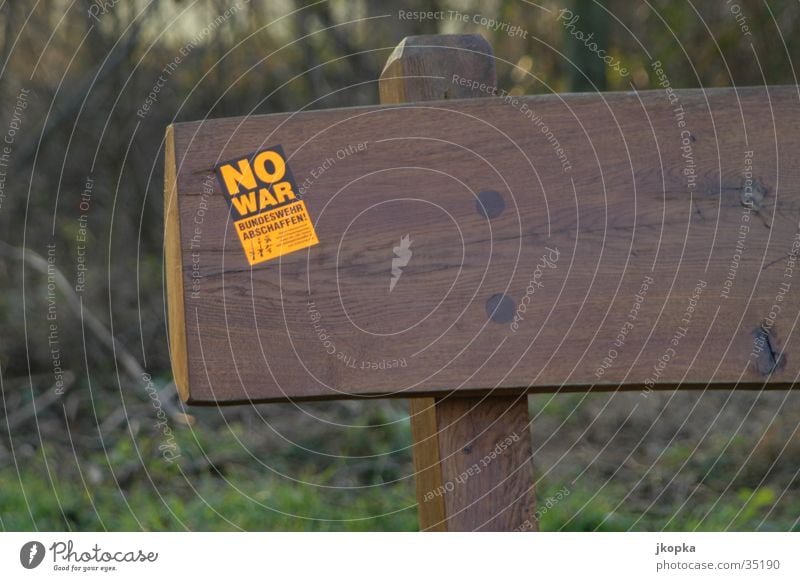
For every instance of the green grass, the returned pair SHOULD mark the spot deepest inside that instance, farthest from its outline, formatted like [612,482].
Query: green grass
[741,510]
[239,500]
[209,503]
[712,488]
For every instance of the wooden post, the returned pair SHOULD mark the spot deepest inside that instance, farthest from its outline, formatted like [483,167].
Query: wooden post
[472,456]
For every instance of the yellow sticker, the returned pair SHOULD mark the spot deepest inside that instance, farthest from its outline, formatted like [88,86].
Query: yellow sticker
[269,218]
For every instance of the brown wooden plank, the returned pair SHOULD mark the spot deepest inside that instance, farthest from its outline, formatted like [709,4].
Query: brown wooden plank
[457,489]
[619,211]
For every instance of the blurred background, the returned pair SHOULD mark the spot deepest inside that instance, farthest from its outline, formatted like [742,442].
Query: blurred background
[92,435]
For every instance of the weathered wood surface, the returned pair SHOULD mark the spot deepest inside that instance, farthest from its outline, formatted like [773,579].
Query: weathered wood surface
[617,209]
[472,458]
[461,485]
[421,68]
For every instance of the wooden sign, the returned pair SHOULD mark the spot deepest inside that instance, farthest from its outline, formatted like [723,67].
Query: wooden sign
[644,240]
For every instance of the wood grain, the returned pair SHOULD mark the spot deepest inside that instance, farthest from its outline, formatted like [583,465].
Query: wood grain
[485,450]
[621,211]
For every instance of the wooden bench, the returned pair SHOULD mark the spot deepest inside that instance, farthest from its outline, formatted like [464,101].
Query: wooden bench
[464,249]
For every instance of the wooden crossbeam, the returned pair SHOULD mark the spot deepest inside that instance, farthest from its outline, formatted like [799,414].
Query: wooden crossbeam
[644,240]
